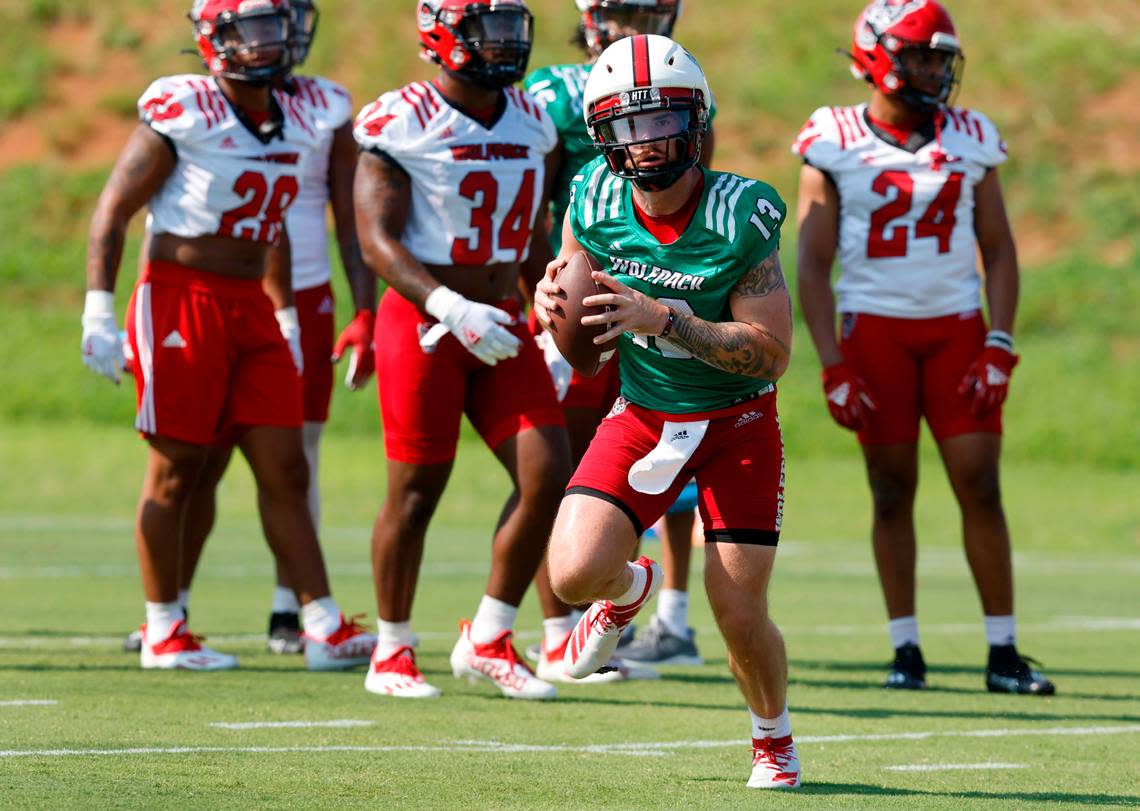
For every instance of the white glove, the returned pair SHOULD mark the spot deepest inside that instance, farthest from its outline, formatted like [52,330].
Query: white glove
[479,327]
[102,348]
[291,332]
[560,369]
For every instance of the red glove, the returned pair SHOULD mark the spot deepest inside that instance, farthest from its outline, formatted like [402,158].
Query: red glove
[986,383]
[847,397]
[358,335]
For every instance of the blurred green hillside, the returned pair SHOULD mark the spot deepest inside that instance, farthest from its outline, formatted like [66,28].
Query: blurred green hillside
[1061,79]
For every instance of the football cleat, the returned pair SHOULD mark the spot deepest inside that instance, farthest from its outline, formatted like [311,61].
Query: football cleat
[181,650]
[775,763]
[627,635]
[498,662]
[1007,671]
[132,642]
[908,671]
[285,633]
[552,667]
[595,637]
[348,646]
[657,645]
[398,676]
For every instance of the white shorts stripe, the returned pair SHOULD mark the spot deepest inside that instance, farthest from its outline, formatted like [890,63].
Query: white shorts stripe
[144,336]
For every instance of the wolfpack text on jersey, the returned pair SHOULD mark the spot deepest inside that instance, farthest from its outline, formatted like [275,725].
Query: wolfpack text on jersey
[475,188]
[229,180]
[914,255]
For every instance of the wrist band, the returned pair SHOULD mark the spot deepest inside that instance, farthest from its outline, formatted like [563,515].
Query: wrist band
[668,324]
[1000,339]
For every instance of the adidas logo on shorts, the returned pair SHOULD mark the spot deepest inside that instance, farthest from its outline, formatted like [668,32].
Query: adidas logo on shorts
[682,434]
[747,417]
[174,340]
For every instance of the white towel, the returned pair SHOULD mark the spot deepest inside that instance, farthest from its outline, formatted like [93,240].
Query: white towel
[655,472]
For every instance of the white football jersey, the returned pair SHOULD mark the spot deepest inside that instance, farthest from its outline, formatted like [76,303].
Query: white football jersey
[307,220]
[475,190]
[906,220]
[227,181]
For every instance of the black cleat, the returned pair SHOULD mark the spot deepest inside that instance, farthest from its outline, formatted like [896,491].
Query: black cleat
[1007,671]
[285,633]
[908,671]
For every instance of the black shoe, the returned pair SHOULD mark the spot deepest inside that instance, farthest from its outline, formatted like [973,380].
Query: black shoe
[908,671]
[1007,671]
[285,633]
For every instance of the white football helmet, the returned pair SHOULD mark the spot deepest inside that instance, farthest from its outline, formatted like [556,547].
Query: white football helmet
[647,90]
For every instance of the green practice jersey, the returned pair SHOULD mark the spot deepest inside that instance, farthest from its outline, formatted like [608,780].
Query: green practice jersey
[736,225]
[560,89]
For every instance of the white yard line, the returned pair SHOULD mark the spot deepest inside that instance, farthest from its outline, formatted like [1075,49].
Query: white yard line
[950,767]
[644,749]
[344,723]
[31,702]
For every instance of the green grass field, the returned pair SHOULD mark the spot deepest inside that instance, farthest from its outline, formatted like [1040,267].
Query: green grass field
[71,590]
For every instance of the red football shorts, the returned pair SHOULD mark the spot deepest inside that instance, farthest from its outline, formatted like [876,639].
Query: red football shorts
[424,393]
[209,357]
[316,312]
[640,460]
[912,368]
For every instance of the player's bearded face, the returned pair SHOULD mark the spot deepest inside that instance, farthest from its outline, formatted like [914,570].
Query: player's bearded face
[651,139]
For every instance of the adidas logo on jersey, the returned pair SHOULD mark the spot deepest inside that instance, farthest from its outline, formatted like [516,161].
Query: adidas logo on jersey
[445,133]
[174,340]
[674,280]
[228,143]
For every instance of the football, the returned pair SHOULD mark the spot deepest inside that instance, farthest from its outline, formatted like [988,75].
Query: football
[574,341]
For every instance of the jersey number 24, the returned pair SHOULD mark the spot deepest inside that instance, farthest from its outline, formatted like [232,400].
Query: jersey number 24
[937,221]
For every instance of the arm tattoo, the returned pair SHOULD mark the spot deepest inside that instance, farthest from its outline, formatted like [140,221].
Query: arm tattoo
[734,346]
[765,278]
[743,349]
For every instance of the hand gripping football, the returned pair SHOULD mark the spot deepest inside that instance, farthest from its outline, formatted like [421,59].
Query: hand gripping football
[574,341]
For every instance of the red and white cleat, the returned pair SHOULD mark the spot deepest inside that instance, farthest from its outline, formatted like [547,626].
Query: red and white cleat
[595,637]
[552,667]
[348,646]
[775,763]
[498,662]
[398,676]
[181,650]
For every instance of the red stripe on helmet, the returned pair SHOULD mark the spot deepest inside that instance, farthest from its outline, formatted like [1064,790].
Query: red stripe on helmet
[641,61]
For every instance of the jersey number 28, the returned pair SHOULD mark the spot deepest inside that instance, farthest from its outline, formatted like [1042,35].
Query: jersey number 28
[937,221]
[253,188]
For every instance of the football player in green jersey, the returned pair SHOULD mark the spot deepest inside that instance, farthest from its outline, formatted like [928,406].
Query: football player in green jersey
[585,400]
[698,301]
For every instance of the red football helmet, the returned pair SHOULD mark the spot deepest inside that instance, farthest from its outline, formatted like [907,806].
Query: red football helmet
[909,49]
[486,42]
[604,22]
[245,40]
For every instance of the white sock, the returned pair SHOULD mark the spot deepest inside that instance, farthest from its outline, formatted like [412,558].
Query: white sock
[311,443]
[904,631]
[555,629]
[320,618]
[391,636]
[673,611]
[491,619]
[778,727]
[636,588]
[184,599]
[160,619]
[285,601]
[1000,630]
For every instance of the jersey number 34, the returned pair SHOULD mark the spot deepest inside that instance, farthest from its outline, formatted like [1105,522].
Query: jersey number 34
[513,233]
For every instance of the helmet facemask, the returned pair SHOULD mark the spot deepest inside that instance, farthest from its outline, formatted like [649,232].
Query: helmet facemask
[252,47]
[610,20]
[303,27]
[929,74]
[492,43]
[653,140]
